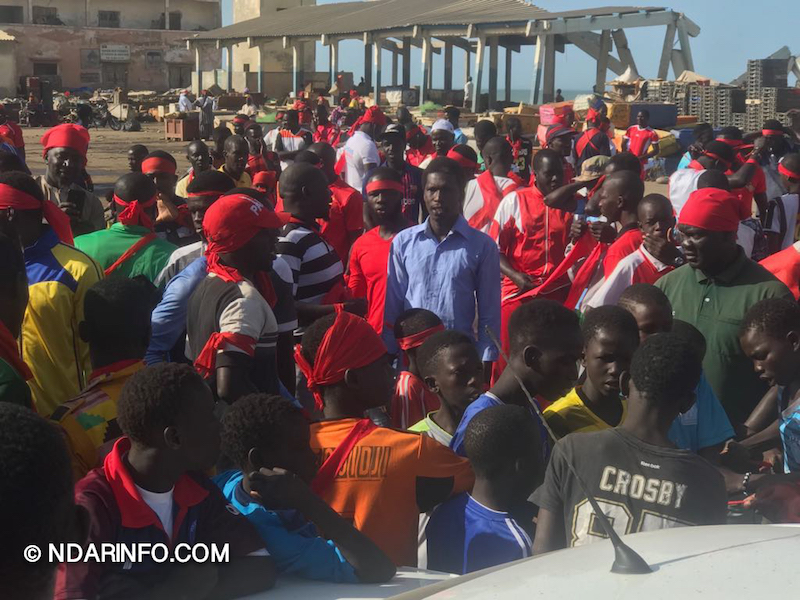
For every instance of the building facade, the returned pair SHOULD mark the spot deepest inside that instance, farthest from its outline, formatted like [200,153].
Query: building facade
[107,44]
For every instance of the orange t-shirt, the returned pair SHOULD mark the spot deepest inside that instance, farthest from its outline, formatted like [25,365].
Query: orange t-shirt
[390,478]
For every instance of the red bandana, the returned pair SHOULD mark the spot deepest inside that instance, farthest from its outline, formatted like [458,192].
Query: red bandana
[350,343]
[415,340]
[158,164]
[67,135]
[711,209]
[17,199]
[383,185]
[134,213]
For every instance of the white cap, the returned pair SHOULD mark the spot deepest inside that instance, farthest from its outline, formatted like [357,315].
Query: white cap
[443,124]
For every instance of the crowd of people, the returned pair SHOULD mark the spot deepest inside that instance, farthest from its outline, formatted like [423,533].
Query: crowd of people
[353,344]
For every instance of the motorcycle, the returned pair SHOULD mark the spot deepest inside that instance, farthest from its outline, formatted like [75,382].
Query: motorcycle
[102,117]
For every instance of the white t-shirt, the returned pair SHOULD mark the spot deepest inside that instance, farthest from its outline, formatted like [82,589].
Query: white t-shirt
[162,504]
[782,217]
[359,151]
[681,185]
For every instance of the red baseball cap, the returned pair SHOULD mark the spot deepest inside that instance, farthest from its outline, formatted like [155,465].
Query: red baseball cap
[233,220]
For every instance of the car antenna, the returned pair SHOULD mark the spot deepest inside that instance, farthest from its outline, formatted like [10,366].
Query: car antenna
[626,560]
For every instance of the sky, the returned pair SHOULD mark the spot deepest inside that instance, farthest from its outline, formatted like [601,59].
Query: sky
[717,52]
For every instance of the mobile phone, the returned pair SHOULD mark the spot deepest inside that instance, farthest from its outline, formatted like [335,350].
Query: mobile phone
[76,197]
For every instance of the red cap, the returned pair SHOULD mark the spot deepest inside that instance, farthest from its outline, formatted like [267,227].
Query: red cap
[67,135]
[711,209]
[557,130]
[232,221]
[267,179]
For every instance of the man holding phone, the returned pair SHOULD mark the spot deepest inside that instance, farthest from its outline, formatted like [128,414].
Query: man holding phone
[65,149]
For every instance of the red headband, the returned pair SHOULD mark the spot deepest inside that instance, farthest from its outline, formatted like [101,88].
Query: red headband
[382,185]
[711,209]
[767,132]
[717,157]
[156,164]
[134,213]
[11,197]
[462,160]
[238,119]
[350,343]
[204,194]
[784,170]
[731,143]
[415,340]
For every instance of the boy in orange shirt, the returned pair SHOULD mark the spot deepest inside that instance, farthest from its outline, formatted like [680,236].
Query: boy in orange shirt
[380,478]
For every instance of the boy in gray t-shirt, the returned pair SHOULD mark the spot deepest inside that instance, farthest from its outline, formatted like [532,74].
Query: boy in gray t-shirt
[640,479]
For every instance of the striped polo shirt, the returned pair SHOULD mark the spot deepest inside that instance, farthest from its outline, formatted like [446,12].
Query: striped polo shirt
[316,268]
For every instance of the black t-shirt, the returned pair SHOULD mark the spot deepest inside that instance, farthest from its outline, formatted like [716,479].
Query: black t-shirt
[640,487]
[524,158]
[221,306]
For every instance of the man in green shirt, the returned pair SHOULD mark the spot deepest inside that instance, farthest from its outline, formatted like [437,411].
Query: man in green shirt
[714,291]
[130,247]
[13,302]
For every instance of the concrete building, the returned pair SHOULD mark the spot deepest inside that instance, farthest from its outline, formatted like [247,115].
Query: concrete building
[477,27]
[104,43]
[268,66]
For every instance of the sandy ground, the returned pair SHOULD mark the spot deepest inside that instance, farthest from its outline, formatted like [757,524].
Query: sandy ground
[108,153]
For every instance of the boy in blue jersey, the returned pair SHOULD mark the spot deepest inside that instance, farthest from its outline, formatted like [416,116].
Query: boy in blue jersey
[267,438]
[494,524]
[546,345]
[452,369]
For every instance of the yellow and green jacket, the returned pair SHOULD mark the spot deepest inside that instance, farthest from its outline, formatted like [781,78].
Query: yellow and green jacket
[58,278]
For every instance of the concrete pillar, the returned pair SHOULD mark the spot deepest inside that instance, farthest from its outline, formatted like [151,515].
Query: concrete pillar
[493,62]
[686,47]
[406,62]
[295,68]
[549,85]
[87,10]
[395,63]
[623,49]
[509,55]
[229,69]
[467,65]
[197,70]
[378,68]
[166,15]
[260,66]
[448,66]
[368,64]
[538,60]
[478,72]
[602,60]
[334,60]
[666,52]
[301,66]
[426,68]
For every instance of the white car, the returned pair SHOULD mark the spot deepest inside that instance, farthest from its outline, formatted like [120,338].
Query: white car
[721,562]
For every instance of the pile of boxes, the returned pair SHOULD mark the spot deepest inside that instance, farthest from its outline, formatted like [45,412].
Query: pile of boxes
[767,96]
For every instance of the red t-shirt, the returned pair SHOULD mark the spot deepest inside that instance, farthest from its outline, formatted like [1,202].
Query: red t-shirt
[369,260]
[641,139]
[412,401]
[627,242]
[757,185]
[13,132]
[346,216]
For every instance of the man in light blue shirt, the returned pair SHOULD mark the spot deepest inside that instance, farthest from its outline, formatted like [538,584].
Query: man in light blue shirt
[444,265]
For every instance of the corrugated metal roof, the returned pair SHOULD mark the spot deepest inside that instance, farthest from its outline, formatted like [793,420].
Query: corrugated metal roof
[379,15]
